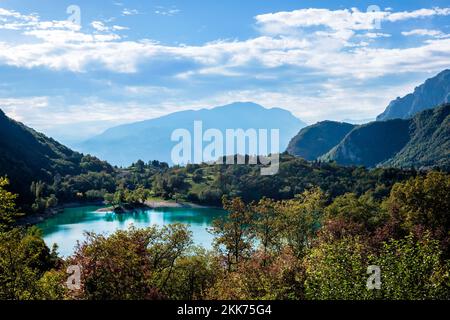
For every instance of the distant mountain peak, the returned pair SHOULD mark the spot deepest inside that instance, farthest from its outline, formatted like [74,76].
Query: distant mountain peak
[245,106]
[432,93]
[248,104]
[151,139]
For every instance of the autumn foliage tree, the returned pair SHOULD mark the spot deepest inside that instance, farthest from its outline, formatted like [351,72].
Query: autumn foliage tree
[132,264]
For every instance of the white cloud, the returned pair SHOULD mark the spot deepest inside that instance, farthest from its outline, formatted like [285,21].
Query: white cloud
[374,35]
[5,14]
[119,28]
[99,26]
[342,48]
[163,11]
[129,12]
[421,13]
[331,51]
[21,108]
[425,32]
[286,22]
[343,19]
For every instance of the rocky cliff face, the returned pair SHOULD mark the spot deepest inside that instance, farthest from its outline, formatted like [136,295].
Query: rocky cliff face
[434,92]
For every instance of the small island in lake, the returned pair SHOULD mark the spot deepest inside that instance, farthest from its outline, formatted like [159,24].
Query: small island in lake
[150,204]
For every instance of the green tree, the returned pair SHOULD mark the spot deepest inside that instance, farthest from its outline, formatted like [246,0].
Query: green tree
[414,269]
[338,271]
[119,197]
[301,219]
[109,198]
[8,211]
[266,225]
[233,233]
[193,275]
[139,166]
[52,201]
[281,278]
[423,201]
[24,262]
[142,194]
[351,215]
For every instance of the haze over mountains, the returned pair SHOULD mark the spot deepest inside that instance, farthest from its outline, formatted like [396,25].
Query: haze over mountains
[422,140]
[151,139]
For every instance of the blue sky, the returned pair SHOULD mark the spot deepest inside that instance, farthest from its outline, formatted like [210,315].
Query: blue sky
[134,60]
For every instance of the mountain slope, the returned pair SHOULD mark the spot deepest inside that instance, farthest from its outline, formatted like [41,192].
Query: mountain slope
[151,139]
[430,142]
[421,142]
[27,156]
[371,144]
[313,141]
[432,93]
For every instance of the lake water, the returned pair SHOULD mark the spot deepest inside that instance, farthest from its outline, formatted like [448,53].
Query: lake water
[68,227]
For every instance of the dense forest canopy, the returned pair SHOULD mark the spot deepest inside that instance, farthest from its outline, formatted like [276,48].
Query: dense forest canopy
[206,184]
[313,246]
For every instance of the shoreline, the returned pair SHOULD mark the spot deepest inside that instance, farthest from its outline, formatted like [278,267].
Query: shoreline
[34,219]
[156,204]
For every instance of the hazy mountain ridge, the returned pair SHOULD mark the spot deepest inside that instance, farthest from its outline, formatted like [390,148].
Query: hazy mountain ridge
[151,139]
[434,92]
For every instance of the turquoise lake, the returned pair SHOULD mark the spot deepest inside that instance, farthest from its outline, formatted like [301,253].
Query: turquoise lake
[68,227]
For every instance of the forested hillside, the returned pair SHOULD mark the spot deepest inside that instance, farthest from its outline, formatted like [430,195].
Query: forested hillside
[27,156]
[429,145]
[370,144]
[316,140]
[422,141]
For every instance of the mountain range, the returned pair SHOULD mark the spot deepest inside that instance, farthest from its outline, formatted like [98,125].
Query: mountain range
[413,131]
[151,139]
[423,141]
